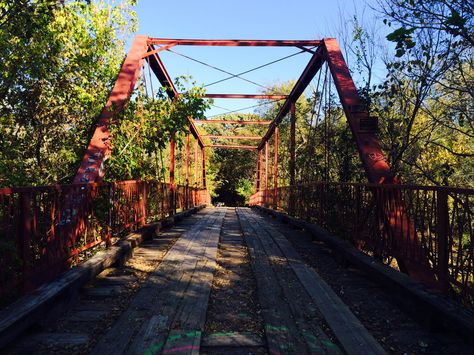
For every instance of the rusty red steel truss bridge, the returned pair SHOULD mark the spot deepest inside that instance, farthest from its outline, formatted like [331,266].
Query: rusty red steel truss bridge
[428,231]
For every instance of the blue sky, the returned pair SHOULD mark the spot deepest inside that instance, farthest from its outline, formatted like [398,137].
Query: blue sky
[243,19]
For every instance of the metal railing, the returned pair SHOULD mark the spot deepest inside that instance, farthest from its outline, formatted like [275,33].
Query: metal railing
[397,224]
[44,230]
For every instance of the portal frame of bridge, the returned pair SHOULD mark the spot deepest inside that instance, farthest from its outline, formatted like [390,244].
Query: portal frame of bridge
[363,126]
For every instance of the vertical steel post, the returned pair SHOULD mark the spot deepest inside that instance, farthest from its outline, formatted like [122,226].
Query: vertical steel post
[203,155]
[442,229]
[196,163]
[292,143]
[187,157]
[172,186]
[275,169]
[266,175]
[292,163]
[259,171]
[25,233]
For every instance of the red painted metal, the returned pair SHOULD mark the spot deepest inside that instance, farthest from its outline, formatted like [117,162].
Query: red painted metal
[245,96]
[266,165]
[160,71]
[91,168]
[231,146]
[309,72]
[158,50]
[275,164]
[441,218]
[172,160]
[231,137]
[172,171]
[166,81]
[367,142]
[196,164]
[203,156]
[259,171]
[292,163]
[187,157]
[195,132]
[235,42]
[44,235]
[231,122]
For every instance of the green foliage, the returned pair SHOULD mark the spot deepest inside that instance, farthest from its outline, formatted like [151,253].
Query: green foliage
[233,171]
[58,62]
[144,129]
[426,105]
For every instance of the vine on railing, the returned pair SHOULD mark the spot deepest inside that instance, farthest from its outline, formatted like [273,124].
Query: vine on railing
[44,230]
[391,222]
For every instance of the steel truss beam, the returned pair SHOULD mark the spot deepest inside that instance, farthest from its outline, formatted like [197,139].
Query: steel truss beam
[309,72]
[231,122]
[362,126]
[231,137]
[235,42]
[92,165]
[160,71]
[250,147]
[245,96]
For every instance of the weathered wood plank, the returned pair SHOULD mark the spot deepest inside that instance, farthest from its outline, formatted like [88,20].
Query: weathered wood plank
[190,310]
[280,330]
[21,315]
[350,332]
[302,311]
[117,340]
[232,339]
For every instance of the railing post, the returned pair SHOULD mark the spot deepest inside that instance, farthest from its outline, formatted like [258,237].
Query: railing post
[172,186]
[259,171]
[442,229]
[187,156]
[265,193]
[203,157]
[275,170]
[24,249]
[143,201]
[292,163]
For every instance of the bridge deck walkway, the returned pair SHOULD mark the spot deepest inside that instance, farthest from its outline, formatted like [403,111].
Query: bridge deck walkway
[232,281]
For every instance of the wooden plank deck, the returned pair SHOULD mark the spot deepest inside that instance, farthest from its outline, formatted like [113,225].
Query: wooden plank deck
[144,327]
[294,310]
[277,250]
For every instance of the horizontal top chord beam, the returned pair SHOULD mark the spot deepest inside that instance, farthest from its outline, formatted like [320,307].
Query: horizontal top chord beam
[231,122]
[235,42]
[231,137]
[250,147]
[245,96]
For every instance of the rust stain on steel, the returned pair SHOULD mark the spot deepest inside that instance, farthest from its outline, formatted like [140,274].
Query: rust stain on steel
[91,168]
[236,42]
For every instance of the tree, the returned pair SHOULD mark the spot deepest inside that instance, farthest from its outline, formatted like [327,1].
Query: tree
[145,127]
[51,93]
[427,101]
